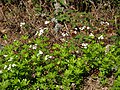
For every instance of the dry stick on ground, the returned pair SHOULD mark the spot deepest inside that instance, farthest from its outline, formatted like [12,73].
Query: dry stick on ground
[27,9]
[95,9]
[2,14]
[116,24]
[66,27]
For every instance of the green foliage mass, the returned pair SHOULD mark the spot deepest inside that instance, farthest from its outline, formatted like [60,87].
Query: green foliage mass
[36,66]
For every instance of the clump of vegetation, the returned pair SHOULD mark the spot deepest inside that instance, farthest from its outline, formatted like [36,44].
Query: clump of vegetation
[36,66]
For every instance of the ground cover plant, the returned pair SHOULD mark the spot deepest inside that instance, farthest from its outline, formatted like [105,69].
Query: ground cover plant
[61,45]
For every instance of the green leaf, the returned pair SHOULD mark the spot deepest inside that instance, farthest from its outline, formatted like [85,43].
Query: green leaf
[67,73]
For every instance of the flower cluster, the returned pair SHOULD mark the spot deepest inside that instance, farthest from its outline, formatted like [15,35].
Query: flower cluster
[91,35]
[64,34]
[40,32]
[33,46]
[101,37]
[104,23]
[47,22]
[47,57]
[39,53]
[84,27]
[9,66]
[22,24]
[84,45]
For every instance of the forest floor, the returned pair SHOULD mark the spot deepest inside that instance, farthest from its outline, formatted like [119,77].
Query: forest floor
[16,22]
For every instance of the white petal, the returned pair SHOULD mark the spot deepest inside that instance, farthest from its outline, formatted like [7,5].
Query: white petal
[10,59]
[91,35]
[13,65]
[40,52]
[5,66]
[9,67]
[1,71]
[47,22]
[22,23]
[101,37]
[5,55]
[88,28]
[75,32]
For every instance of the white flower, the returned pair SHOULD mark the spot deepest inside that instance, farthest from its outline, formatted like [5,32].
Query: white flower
[76,29]
[5,66]
[9,67]
[10,59]
[88,28]
[61,87]
[30,46]
[67,34]
[77,51]
[47,22]
[13,65]
[91,35]
[5,55]
[50,56]
[73,85]
[63,34]
[54,20]
[14,40]
[22,23]
[82,28]
[39,53]
[102,23]
[1,71]
[37,33]
[57,85]
[43,14]
[107,23]
[101,37]
[47,57]
[38,89]
[41,32]
[34,46]
[85,45]
[75,32]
